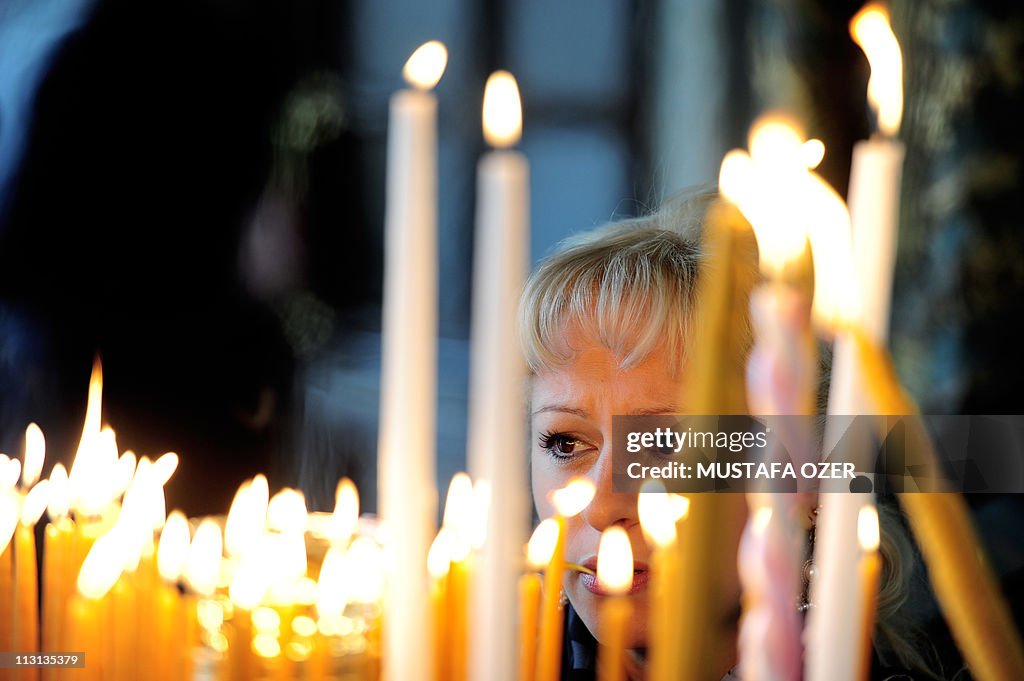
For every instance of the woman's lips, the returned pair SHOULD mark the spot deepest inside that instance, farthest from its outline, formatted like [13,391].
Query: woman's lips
[590,583]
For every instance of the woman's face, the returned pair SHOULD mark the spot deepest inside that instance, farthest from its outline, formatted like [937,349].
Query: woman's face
[571,426]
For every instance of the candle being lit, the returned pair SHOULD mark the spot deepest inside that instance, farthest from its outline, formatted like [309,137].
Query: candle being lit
[615,577]
[406,458]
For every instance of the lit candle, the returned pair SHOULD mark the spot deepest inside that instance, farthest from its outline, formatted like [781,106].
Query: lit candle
[868,572]
[568,501]
[497,374]
[614,577]
[26,586]
[57,552]
[876,171]
[458,522]
[438,566]
[9,511]
[963,581]
[171,558]
[406,458]
[874,192]
[714,385]
[768,186]
[658,521]
[529,606]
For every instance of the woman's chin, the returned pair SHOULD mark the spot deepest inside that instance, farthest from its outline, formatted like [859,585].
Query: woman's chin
[588,607]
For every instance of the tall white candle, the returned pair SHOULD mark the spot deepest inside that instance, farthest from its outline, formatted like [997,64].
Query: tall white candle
[497,375]
[406,448]
[838,622]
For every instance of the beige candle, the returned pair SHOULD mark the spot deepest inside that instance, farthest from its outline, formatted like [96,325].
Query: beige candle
[406,457]
[497,374]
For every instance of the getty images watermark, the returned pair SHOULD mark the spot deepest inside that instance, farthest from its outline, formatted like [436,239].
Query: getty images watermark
[820,454]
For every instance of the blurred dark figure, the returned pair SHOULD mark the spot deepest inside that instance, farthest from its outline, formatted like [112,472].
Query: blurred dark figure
[149,149]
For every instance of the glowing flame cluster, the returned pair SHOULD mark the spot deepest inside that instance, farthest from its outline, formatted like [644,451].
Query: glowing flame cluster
[787,203]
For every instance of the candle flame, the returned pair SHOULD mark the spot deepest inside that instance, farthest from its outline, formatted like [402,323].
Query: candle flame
[366,571]
[202,570]
[249,582]
[172,553]
[615,561]
[867,528]
[247,519]
[812,152]
[35,503]
[332,585]
[35,452]
[503,111]
[542,544]
[656,514]
[123,473]
[8,517]
[871,30]
[680,506]
[286,511]
[426,65]
[459,515]
[60,493]
[10,471]
[439,557]
[102,566]
[345,518]
[574,497]
[765,186]
[836,302]
[165,466]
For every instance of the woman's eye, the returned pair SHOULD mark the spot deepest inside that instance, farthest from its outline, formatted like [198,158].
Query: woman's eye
[561,445]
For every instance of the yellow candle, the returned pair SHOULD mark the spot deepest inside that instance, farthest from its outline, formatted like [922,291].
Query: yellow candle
[26,593]
[615,578]
[529,604]
[568,501]
[6,579]
[868,573]
[549,649]
[438,567]
[83,636]
[458,611]
[658,520]
[964,584]
[57,547]
[716,385]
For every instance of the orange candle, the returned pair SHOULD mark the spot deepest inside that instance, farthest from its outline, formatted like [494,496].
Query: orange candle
[615,578]
[8,516]
[438,567]
[868,573]
[549,650]
[658,520]
[568,501]
[25,636]
[529,605]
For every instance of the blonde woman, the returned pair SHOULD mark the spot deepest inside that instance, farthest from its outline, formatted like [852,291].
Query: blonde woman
[604,325]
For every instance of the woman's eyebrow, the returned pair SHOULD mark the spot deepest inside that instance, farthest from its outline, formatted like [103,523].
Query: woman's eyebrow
[561,408]
[655,411]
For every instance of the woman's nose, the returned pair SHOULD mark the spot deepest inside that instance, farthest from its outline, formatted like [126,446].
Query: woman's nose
[609,507]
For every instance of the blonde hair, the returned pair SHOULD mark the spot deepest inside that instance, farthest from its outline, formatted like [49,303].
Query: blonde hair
[630,286]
